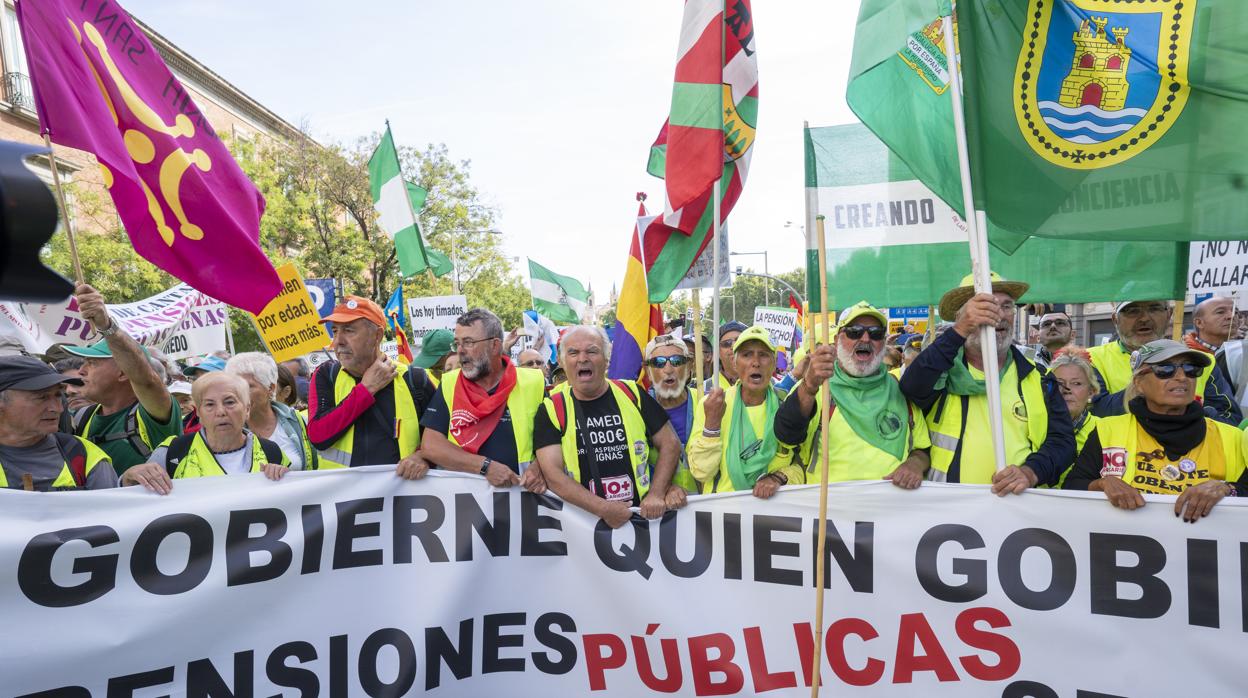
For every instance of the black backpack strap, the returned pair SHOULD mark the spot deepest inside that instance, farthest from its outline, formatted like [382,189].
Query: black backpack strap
[81,417]
[132,432]
[272,452]
[177,450]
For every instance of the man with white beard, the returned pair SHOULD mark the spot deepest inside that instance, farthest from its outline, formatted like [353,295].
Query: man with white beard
[947,382]
[873,432]
[668,366]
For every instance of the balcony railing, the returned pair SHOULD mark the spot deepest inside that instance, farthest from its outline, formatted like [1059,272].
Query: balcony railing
[17,90]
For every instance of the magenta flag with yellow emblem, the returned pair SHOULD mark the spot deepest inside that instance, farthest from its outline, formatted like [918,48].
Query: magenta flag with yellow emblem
[100,86]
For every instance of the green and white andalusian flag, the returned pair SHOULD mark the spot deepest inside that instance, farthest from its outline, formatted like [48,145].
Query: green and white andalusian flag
[396,215]
[893,242]
[438,262]
[561,298]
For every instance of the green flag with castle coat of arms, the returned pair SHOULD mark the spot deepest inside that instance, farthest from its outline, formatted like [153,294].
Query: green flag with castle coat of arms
[1085,119]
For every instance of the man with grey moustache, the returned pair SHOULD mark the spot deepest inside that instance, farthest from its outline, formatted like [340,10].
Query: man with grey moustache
[874,433]
[668,367]
[947,382]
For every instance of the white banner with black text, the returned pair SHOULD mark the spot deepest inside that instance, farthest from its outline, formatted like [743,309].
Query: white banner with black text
[356,583]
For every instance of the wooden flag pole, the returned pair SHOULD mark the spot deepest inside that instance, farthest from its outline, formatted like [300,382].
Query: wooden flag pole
[697,340]
[60,199]
[1177,332]
[824,414]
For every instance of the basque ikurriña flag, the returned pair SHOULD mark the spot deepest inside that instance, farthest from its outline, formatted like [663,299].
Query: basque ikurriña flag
[637,321]
[100,86]
[709,133]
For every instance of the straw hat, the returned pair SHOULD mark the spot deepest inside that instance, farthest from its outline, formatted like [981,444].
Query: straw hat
[955,298]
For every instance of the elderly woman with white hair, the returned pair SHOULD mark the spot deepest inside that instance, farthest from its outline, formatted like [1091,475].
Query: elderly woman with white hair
[222,446]
[269,418]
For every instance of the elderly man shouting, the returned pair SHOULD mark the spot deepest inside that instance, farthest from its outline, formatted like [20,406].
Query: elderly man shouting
[947,382]
[873,432]
[366,409]
[594,437]
[480,421]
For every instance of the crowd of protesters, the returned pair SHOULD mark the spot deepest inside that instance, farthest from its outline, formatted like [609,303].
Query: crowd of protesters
[1140,414]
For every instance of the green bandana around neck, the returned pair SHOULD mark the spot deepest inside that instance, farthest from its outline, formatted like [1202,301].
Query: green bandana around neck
[959,381]
[749,454]
[874,408]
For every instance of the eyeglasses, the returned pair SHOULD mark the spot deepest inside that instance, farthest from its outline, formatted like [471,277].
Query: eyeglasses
[468,343]
[855,332]
[661,361]
[1136,311]
[533,363]
[1167,371]
[1054,323]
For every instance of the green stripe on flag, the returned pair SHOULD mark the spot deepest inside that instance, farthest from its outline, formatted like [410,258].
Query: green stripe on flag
[865,193]
[697,106]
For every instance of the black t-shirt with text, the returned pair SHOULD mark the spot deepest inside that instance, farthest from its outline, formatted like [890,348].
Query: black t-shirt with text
[603,448]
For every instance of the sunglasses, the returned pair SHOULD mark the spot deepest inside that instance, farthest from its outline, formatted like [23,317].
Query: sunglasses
[534,363]
[661,361]
[1053,323]
[855,332]
[1167,371]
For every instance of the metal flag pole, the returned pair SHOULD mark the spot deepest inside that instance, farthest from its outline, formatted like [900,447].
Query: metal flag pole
[824,416]
[697,340]
[977,228]
[60,198]
[715,277]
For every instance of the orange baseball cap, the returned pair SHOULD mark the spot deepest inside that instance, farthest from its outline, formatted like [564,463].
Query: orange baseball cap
[355,308]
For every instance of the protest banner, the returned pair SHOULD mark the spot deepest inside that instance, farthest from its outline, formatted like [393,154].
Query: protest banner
[699,274]
[1217,268]
[289,325]
[779,322]
[153,322]
[434,313]
[943,591]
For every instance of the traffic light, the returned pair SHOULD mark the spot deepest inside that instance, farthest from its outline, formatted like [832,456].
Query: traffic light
[28,218]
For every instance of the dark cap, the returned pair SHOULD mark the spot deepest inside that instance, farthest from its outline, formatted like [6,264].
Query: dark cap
[29,373]
[733,326]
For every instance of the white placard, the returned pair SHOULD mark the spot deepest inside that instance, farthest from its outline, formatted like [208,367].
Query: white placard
[779,322]
[699,275]
[1218,267]
[434,313]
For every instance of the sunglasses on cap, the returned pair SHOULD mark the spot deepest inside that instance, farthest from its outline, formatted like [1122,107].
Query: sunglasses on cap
[855,332]
[1167,371]
[661,361]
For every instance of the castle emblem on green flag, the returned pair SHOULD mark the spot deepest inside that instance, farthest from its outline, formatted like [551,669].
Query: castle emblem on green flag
[1095,87]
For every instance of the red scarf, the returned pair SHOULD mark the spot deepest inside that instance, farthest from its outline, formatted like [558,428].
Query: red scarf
[475,412]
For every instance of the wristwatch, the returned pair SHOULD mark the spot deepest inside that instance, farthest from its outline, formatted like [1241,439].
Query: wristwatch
[112,328]
[485,466]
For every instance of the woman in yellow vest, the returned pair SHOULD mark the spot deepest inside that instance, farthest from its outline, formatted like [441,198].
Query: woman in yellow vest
[221,446]
[732,445]
[1164,444]
[1075,378]
[270,418]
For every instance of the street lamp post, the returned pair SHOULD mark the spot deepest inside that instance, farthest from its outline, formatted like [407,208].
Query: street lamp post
[776,279]
[766,273]
[455,254]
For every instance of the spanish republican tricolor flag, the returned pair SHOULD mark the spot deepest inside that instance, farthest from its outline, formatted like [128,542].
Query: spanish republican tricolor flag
[637,321]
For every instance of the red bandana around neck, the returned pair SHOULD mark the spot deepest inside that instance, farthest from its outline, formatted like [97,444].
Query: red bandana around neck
[475,412]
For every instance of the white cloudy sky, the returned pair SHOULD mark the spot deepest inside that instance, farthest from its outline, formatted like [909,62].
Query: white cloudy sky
[554,102]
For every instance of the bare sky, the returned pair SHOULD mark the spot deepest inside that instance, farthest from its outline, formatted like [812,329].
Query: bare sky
[554,102]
